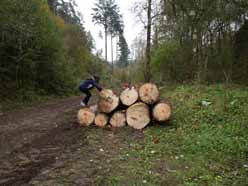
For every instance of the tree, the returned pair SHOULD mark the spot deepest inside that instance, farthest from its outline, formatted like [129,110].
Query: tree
[102,16]
[146,12]
[148,40]
[124,52]
[115,28]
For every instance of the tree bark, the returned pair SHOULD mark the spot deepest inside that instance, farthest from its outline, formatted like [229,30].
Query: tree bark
[116,48]
[112,54]
[85,117]
[106,43]
[149,93]
[148,45]
[138,115]
[93,108]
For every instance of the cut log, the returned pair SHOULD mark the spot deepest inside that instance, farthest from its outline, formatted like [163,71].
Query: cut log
[149,93]
[118,119]
[85,116]
[94,108]
[108,101]
[101,120]
[161,112]
[129,96]
[138,115]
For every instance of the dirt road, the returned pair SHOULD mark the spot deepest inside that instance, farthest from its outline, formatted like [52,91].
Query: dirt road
[45,146]
[31,138]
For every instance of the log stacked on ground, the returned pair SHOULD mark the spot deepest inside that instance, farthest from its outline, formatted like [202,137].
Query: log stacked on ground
[141,106]
[149,93]
[138,115]
[101,120]
[85,116]
[129,96]
[108,101]
[118,119]
[161,112]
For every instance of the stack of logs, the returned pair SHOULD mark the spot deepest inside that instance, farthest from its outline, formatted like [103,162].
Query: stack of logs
[135,107]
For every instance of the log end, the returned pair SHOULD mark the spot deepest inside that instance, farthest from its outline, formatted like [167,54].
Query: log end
[149,93]
[162,112]
[85,117]
[129,96]
[101,120]
[138,115]
[118,119]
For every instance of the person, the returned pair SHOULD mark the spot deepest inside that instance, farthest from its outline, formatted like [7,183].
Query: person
[86,86]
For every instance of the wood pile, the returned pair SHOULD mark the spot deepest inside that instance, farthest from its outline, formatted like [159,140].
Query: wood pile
[135,107]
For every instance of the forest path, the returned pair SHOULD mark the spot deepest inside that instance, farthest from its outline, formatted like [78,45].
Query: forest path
[23,135]
[44,145]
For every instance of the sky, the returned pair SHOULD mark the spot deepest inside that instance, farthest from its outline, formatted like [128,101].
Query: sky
[132,28]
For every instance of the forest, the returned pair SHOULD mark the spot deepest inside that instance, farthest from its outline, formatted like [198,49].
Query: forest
[194,41]
[45,49]
[190,59]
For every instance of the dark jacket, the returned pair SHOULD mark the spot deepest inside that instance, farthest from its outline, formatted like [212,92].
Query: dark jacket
[89,84]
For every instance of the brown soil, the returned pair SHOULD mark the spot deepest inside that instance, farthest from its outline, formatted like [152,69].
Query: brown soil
[31,139]
[45,146]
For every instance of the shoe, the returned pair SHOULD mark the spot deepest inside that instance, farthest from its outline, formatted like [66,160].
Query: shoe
[82,104]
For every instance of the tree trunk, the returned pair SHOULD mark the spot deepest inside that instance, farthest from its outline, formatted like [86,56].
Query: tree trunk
[129,96]
[149,93]
[85,117]
[118,119]
[138,115]
[148,46]
[106,43]
[161,112]
[108,101]
[112,54]
[101,120]
[116,58]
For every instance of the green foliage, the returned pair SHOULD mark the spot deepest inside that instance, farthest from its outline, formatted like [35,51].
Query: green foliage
[165,57]
[31,44]
[41,52]
[169,62]
[124,52]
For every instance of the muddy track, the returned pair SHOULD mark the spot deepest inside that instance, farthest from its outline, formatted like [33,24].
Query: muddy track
[46,146]
[26,162]
[33,139]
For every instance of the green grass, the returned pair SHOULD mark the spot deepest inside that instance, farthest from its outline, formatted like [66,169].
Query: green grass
[203,145]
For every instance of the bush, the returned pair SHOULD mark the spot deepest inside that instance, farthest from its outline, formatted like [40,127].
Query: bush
[171,62]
